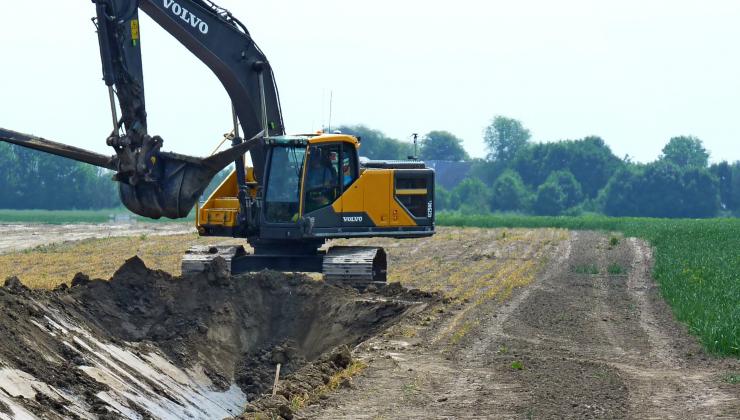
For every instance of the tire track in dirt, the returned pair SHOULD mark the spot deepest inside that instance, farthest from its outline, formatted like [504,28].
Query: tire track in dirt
[429,377]
[574,344]
[663,383]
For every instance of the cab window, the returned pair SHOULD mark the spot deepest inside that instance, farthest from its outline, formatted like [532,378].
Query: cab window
[283,189]
[349,165]
[322,183]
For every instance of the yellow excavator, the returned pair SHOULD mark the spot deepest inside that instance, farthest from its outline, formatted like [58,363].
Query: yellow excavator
[299,192]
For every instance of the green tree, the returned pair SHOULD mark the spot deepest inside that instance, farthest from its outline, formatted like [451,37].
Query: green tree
[619,196]
[733,200]
[662,189]
[471,196]
[442,145]
[589,159]
[550,200]
[685,151]
[504,137]
[508,193]
[35,180]
[442,199]
[561,191]
[723,172]
[486,170]
[375,144]
[570,185]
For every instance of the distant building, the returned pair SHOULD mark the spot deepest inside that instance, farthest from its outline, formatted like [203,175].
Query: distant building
[449,173]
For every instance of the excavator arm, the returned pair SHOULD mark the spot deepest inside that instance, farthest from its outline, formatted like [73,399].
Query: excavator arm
[153,183]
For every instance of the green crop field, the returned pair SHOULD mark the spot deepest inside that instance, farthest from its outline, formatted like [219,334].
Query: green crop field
[697,265]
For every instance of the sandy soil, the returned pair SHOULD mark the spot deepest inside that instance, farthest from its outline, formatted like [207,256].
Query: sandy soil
[570,345]
[17,237]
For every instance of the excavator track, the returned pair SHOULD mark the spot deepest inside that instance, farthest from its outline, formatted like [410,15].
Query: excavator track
[200,258]
[355,266]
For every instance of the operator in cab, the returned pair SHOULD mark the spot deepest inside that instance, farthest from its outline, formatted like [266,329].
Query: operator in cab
[321,180]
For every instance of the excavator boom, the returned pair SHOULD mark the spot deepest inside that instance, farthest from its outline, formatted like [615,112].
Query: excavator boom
[153,183]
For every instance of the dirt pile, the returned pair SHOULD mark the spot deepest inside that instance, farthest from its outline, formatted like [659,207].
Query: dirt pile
[146,344]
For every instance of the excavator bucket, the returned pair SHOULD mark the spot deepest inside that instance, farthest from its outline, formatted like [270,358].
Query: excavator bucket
[180,182]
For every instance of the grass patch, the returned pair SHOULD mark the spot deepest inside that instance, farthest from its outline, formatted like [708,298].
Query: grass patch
[354,369]
[517,365]
[732,378]
[590,269]
[615,269]
[697,264]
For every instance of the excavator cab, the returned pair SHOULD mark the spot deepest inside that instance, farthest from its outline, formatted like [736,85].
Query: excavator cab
[314,188]
[305,178]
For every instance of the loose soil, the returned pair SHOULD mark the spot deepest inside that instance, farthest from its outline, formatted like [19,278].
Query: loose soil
[573,344]
[149,345]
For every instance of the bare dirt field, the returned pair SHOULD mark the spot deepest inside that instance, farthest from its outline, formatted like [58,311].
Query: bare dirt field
[17,237]
[577,342]
[489,323]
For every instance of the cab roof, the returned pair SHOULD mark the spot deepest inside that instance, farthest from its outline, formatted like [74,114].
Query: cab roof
[313,139]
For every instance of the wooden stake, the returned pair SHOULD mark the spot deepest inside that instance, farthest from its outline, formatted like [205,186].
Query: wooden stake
[277,378]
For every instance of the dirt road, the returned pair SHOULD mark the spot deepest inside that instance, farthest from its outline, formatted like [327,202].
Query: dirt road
[17,237]
[576,343]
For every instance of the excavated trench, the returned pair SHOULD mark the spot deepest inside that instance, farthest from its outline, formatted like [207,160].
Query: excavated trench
[146,344]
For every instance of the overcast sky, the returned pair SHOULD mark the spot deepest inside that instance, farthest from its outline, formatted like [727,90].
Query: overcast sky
[633,72]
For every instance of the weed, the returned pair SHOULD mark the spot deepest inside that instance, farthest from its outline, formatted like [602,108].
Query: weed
[409,388]
[355,368]
[591,269]
[732,378]
[461,332]
[502,349]
[517,365]
[412,387]
[299,401]
[601,374]
[613,241]
[615,269]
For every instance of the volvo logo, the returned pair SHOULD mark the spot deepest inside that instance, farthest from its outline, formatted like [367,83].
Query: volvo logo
[352,219]
[186,15]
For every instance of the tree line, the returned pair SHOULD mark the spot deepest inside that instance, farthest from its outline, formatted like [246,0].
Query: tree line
[571,177]
[566,177]
[35,180]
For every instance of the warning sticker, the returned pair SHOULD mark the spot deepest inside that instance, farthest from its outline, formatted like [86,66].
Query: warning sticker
[134,30]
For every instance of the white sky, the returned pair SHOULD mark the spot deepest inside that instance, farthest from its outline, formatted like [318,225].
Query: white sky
[634,72]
